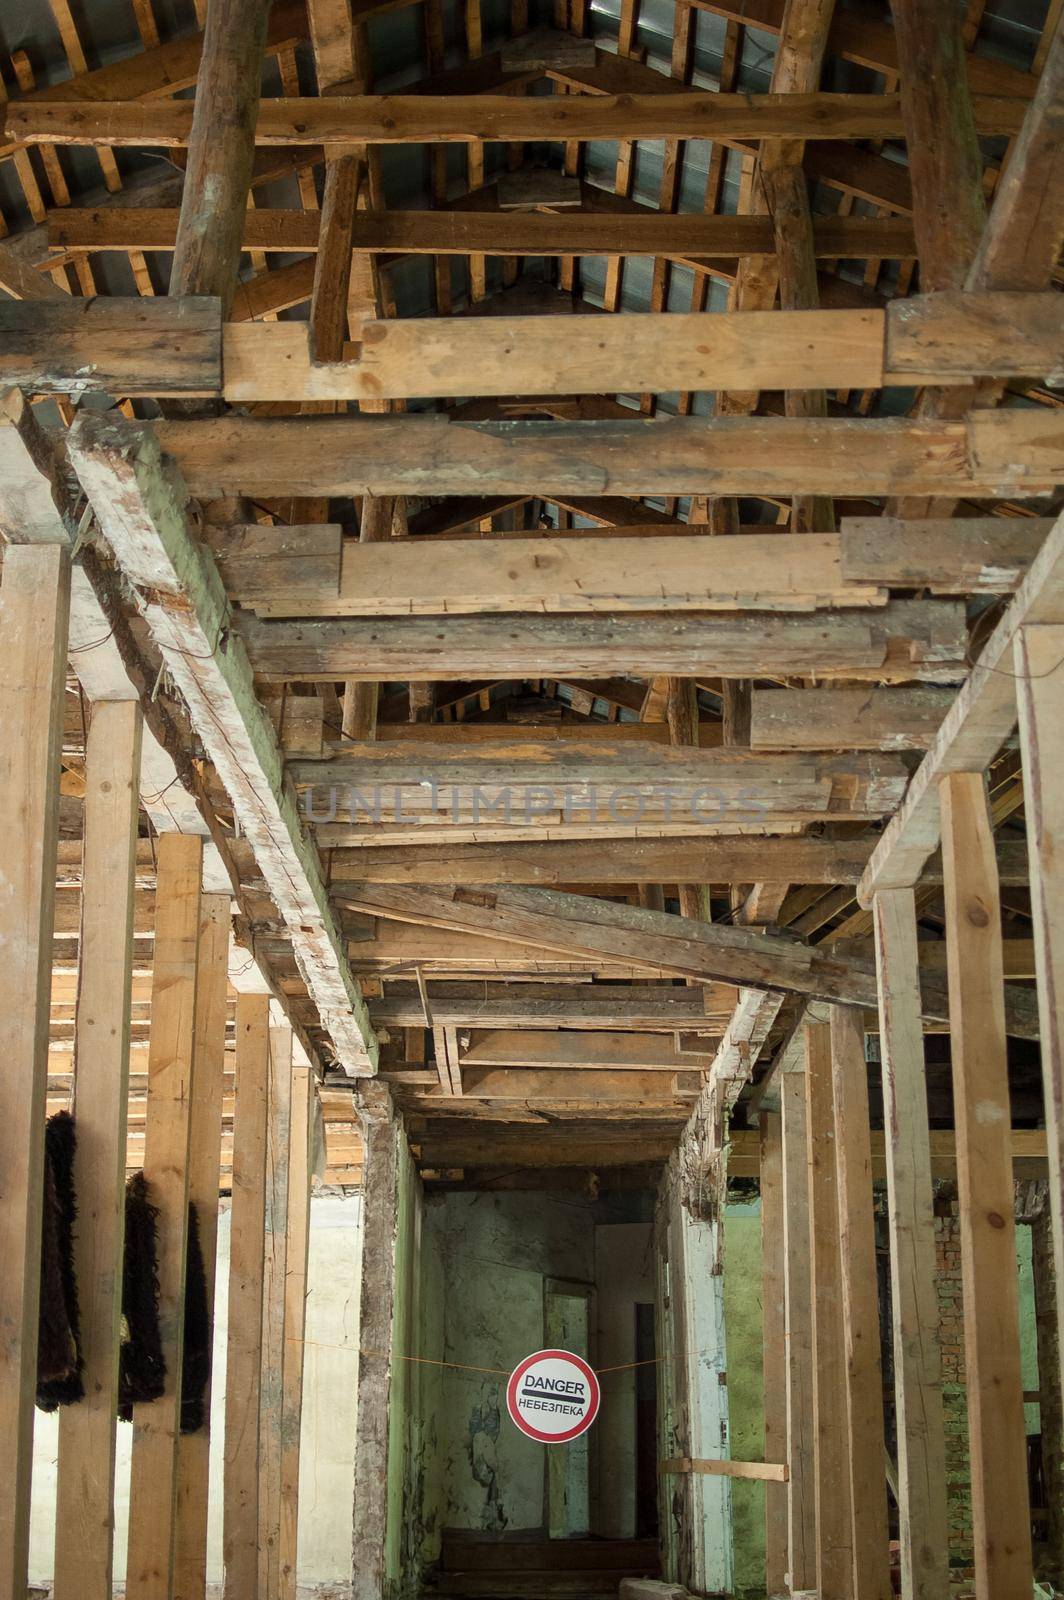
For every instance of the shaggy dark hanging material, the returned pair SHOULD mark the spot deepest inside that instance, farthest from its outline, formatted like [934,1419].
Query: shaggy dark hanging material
[59,1362]
[142,1370]
[196,1364]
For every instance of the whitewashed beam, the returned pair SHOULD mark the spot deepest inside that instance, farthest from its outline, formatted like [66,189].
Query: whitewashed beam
[141,503]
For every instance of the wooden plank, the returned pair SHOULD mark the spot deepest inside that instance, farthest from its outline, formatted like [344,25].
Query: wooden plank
[990,454]
[921,1441]
[1001,1532]
[34,603]
[865,1442]
[801,1496]
[1039,696]
[597,232]
[518,781]
[756,572]
[764,1471]
[240,1536]
[418,357]
[221,148]
[950,555]
[204,1162]
[556,863]
[142,346]
[629,1052]
[441,119]
[274,1300]
[981,719]
[550,1006]
[774,1336]
[834,1521]
[902,641]
[963,333]
[141,506]
[86,1455]
[847,719]
[586,1087]
[171,1087]
[300,1175]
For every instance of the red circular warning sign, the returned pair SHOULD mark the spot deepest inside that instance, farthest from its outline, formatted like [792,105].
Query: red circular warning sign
[552,1396]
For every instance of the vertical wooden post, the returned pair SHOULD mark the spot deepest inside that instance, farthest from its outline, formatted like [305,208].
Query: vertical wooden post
[1040,695]
[271,1395]
[377,1302]
[797,1244]
[295,1308]
[997,1437]
[865,1441]
[84,1532]
[922,1511]
[834,1523]
[210,232]
[34,613]
[240,1529]
[774,1346]
[204,1166]
[157,1424]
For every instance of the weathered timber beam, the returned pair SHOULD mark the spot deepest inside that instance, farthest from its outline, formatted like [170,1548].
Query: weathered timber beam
[847,719]
[505,1008]
[995,454]
[525,777]
[980,720]
[676,946]
[141,505]
[557,862]
[948,555]
[581,1050]
[141,346]
[599,232]
[940,339]
[158,73]
[899,642]
[432,119]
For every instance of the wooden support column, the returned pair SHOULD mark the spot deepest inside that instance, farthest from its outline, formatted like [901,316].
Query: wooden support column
[945,162]
[271,1394]
[834,1522]
[866,1447]
[774,1360]
[797,1243]
[240,1529]
[380,1223]
[300,1173]
[917,1360]
[221,150]
[204,1166]
[157,1425]
[34,611]
[84,1542]
[1040,697]
[681,710]
[1001,1530]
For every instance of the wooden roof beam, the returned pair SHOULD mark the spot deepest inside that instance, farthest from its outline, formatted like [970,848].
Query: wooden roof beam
[466,119]
[141,504]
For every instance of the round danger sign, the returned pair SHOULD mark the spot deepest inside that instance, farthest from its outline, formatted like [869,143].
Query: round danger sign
[553,1396]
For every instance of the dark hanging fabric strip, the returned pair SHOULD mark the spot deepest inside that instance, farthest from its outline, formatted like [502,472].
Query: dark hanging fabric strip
[59,1360]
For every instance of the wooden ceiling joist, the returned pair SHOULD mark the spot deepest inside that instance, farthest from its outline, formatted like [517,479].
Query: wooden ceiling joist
[436,119]
[990,454]
[141,507]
